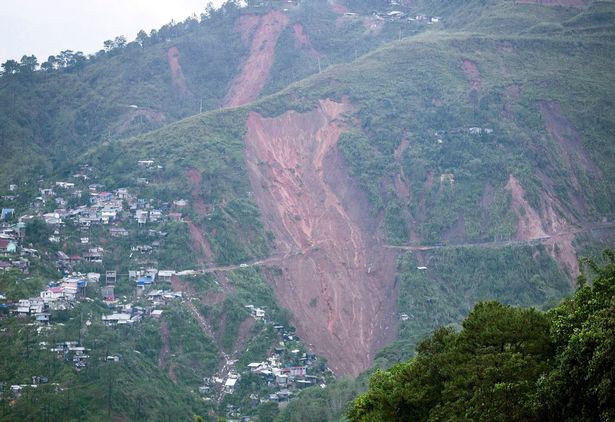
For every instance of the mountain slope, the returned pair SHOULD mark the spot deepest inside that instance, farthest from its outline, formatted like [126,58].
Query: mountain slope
[384,197]
[455,137]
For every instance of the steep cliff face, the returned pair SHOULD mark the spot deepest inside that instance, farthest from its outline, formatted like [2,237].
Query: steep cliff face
[337,279]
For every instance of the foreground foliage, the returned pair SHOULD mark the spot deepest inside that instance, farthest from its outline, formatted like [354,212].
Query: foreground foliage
[509,363]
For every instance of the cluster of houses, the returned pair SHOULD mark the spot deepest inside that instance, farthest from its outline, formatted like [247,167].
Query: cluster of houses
[128,313]
[72,351]
[285,371]
[12,255]
[60,295]
[103,208]
[285,377]
[398,15]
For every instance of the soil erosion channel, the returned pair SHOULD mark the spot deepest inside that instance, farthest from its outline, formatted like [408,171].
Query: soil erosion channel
[337,279]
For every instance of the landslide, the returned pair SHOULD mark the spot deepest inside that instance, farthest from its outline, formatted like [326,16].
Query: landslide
[177,74]
[264,32]
[337,279]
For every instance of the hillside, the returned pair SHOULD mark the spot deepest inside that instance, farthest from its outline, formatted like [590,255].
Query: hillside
[365,203]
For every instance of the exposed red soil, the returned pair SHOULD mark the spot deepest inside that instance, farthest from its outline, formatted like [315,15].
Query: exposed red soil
[199,243]
[177,75]
[255,70]
[321,221]
[401,187]
[426,190]
[244,334]
[533,224]
[205,327]
[196,182]
[163,357]
[572,3]
[400,182]
[567,139]
[246,25]
[562,250]
[529,224]
[339,7]
[302,41]
[472,73]
[150,115]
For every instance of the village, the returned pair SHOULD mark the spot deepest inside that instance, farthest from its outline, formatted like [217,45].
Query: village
[106,247]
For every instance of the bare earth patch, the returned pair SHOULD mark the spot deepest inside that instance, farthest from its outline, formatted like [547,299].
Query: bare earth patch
[532,224]
[302,41]
[199,243]
[177,75]
[264,32]
[163,357]
[529,224]
[322,223]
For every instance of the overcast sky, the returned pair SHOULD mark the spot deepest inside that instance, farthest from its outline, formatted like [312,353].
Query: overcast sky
[46,27]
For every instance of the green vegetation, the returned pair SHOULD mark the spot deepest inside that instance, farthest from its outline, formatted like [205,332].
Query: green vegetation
[488,65]
[456,279]
[134,388]
[509,364]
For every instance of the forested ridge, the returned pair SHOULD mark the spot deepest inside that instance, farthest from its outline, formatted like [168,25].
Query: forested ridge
[510,364]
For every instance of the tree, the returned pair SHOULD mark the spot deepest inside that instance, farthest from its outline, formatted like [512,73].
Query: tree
[10,67]
[581,386]
[510,364]
[37,232]
[50,64]
[108,45]
[120,41]
[142,38]
[78,61]
[65,58]
[28,64]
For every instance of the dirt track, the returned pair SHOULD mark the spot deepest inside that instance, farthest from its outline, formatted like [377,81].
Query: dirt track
[264,32]
[340,284]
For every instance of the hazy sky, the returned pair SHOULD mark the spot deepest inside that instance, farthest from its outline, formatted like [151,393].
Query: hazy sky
[46,27]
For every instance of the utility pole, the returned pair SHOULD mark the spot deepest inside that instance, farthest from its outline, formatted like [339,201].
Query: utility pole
[201,106]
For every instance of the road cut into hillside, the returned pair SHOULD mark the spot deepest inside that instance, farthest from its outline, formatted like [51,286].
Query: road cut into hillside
[337,278]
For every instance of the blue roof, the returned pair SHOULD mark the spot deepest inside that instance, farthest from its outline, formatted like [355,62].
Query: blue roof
[145,280]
